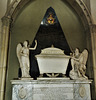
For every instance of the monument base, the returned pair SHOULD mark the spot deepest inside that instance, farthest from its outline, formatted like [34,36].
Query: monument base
[53,89]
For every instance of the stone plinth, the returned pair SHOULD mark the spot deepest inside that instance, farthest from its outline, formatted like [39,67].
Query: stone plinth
[51,89]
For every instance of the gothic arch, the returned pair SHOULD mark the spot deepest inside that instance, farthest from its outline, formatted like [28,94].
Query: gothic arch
[78,5]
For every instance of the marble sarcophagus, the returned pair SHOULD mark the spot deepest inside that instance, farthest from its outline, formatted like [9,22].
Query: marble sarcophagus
[52,60]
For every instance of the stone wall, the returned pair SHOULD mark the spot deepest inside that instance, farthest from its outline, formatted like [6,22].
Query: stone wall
[93,10]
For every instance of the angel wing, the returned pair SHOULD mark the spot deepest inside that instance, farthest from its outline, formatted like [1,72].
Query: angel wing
[83,57]
[18,51]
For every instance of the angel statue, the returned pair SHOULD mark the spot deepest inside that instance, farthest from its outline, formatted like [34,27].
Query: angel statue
[78,62]
[23,57]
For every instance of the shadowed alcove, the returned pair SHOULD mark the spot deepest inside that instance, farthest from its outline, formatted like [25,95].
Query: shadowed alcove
[49,33]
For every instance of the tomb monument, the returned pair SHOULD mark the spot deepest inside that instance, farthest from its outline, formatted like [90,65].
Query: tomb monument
[53,62]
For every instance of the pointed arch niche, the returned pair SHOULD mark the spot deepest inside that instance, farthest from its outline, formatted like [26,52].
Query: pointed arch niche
[51,33]
[27,23]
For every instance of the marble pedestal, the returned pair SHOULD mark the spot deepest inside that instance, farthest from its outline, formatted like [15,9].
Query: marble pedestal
[51,89]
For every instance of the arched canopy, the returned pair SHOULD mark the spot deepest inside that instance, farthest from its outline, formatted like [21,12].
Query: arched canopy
[31,15]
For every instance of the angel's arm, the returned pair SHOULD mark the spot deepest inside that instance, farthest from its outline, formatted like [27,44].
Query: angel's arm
[34,46]
[75,59]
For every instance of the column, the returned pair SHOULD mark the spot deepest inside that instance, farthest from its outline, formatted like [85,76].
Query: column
[4,52]
[93,38]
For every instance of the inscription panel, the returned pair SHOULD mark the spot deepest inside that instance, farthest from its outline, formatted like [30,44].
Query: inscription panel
[57,89]
[53,92]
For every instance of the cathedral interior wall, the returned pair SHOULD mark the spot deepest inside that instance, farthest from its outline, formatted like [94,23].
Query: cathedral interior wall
[24,27]
[27,27]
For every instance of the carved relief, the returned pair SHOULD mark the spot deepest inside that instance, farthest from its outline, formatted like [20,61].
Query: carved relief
[82,91]
[22,93]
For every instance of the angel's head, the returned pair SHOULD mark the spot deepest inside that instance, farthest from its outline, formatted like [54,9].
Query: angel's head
[76,51]
[25,43]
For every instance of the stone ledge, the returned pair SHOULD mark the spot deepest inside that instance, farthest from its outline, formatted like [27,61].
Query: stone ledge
[50,81]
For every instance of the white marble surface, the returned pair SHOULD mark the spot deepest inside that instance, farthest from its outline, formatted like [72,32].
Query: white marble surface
[82,92]
[78,63]
[23,57]
[51,89]
[52,60]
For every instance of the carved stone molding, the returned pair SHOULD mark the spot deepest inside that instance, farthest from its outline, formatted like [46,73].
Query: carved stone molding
[6,21]
[84,14]
[85,10]
[11,7]
[93,28]
[16,5]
